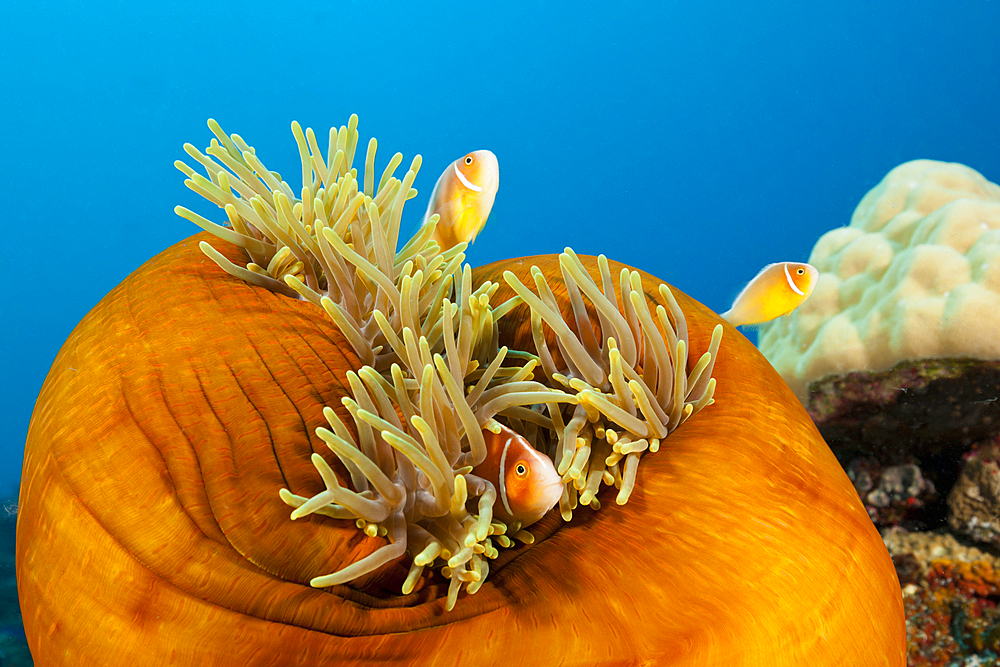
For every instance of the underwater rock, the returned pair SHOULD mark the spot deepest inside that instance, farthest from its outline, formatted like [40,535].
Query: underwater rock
[890,494]
[894,358]
[919,442]
[924,415]
[974,501]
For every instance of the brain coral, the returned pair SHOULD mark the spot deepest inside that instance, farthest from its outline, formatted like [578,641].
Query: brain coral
[913,276]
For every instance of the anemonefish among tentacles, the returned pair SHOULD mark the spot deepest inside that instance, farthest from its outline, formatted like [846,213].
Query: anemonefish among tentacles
[777,290]
[527,483]
[463,197]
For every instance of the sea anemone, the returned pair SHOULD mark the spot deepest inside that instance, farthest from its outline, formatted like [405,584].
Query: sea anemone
[186,399]
[411,466]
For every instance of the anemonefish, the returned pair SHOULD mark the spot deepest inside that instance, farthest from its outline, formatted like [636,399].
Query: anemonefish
[527,483]
[463,197]
[777,290]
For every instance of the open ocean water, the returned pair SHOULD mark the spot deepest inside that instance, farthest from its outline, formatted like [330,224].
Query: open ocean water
[696,140]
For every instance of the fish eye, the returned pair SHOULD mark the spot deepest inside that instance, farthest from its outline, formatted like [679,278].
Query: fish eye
[521,470]
[468,159]
[800,271]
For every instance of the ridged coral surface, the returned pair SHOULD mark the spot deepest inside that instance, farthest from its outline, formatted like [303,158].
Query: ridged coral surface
[915,275]
[150,530]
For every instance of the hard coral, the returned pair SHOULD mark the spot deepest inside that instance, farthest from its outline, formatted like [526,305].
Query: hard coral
[912,277]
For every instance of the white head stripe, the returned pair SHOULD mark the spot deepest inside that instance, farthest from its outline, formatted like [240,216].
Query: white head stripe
[791,283]
[466,182]
[503,474]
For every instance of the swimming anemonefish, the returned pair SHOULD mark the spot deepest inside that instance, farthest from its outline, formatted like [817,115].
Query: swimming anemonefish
[777,290]
[463,197]
[527,483]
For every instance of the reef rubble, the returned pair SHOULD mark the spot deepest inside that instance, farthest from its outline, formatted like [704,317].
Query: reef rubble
[921,443]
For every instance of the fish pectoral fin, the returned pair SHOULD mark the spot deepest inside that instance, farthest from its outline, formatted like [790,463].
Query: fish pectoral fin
[450,213]
[468,225]
[479,228]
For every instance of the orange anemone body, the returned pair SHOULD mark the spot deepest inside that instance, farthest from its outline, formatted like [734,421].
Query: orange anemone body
[150,530]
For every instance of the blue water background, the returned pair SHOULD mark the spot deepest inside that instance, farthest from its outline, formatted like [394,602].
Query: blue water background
[696,140]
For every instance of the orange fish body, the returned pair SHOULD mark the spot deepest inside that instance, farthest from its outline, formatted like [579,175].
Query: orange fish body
[776,291]
[463,198]
[526,481]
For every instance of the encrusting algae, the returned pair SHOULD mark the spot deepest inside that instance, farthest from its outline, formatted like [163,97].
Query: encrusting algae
[434,378]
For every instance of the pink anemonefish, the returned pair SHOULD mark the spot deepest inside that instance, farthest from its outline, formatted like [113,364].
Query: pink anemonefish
[463,197]
[527,483]
[777,290]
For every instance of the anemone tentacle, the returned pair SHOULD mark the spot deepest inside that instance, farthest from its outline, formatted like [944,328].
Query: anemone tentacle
[336,244]
[412,460]
[631,382]
[433,374]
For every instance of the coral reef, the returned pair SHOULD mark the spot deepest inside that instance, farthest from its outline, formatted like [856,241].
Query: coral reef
[958,596]
[917,422]
[926,547]
[914,276]
[950,593]
[919,441]
[952,616]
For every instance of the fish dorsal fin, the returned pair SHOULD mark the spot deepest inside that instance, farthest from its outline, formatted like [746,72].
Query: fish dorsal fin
[434,195]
